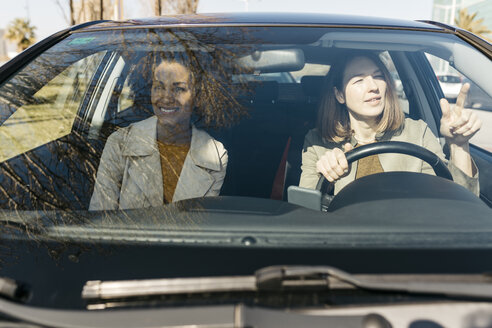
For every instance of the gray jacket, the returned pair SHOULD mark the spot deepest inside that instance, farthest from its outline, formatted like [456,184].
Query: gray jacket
[130,175]
[416,132]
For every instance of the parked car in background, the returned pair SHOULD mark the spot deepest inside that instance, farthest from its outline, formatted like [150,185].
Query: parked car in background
[397,249]
[450,85]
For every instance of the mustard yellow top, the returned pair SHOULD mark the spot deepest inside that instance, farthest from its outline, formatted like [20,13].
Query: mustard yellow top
[172,160]
[368,165]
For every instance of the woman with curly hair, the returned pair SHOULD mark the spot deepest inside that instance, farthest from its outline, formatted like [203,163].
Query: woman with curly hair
[164,158]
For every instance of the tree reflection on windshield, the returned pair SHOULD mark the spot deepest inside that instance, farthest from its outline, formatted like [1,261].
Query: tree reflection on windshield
[57,113]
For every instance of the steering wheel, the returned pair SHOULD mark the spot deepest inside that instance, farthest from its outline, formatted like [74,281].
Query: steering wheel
[398,147]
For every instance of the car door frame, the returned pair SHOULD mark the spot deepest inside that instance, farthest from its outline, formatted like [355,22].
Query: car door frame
[432,94]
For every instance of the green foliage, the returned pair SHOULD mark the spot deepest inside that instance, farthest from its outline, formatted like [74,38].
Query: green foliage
[469,22]
[21,32]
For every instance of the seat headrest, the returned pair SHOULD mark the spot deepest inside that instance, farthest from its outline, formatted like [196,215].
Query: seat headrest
[312,85]
[262,91]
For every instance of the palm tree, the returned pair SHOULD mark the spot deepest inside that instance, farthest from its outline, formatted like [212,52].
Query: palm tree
[21,32]
[469,22]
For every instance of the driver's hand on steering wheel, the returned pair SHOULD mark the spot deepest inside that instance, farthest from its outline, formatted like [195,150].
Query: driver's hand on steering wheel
[333,164]
[459,124]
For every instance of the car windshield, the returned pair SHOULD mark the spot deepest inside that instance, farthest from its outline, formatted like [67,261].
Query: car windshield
[189,136]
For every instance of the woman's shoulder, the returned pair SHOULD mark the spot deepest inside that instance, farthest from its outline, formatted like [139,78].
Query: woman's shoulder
[412,127]
[206,151]
[313,138]
[201,134]
[135,139]
[411,131]
[412,124]
[201,138]
[140,127]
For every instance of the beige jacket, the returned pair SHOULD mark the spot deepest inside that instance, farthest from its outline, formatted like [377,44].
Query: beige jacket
[130,175]
[416,132]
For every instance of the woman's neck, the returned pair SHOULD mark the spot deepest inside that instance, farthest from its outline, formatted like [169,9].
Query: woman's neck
[173,135]
[365,130]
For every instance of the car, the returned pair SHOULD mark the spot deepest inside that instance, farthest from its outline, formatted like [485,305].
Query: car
[450,84]
[253,249]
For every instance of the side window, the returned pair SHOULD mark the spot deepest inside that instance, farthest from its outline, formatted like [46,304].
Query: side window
[451,81]
[398,86]
[126,99]
[136,86]
[44,112]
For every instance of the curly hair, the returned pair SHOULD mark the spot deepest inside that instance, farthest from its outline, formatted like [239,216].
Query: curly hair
[214,98]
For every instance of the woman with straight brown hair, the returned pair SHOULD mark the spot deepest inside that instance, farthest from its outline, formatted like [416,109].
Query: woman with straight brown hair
[359,106]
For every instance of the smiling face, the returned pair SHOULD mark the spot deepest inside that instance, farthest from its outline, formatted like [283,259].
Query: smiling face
[172,94]
[364,89]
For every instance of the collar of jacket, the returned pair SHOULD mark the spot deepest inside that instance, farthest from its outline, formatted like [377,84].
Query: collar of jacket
[141,141]
[380,136]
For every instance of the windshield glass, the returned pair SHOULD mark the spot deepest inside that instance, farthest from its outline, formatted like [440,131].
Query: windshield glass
[142,118]
[193,136]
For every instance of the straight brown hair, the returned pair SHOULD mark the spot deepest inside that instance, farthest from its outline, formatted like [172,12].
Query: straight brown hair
[333,119]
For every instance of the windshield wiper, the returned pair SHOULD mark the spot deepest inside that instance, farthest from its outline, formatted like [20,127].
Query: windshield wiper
[288,277]
[296,278]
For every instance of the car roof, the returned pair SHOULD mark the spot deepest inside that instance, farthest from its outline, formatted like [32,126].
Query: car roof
[268,19]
